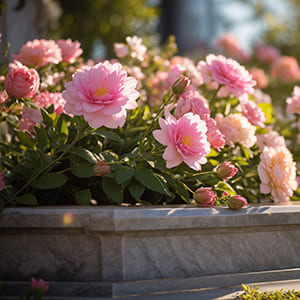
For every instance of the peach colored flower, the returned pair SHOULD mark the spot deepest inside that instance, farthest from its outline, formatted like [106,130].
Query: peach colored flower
[293,103]
[228,72]
[137,49]
[39,283]
[260,77]
[236,129]
[286,68]
[70,50]
[102,94]
[267,53]
[2,182]
[39,53]
[277,172]
[185,139]
[270,139]
[22,82]
[121,49]
[45,99]
[253,113]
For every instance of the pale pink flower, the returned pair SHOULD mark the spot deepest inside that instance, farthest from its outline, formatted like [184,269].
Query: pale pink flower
[2,182]
[136,72]
[22,82]
[231,46]
[270,139]
[226,170]
[253,113]
[185,139]
[44,99]
[260,77]
[70,50]
[267,53]
[39,53]
[121,49]
[228,72]
[30,117]
[214,136]
[277,172]
[286,68]
[102,94]
[236,129]
[204,197]
[39,283]
[137,49]
[293,103]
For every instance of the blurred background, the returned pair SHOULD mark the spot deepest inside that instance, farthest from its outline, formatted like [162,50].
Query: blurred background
[196,24]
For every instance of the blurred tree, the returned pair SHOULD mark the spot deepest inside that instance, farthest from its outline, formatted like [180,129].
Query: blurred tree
[104,22]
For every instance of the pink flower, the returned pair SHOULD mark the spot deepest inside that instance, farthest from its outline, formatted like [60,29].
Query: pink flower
[70,50]
[267,53]
[39,53]
[101,168]
[137,49]
[102,94]
[253,113]
[2,182]
[39,283]
[286,68]
[226,170]
[260,77]
[121,49]
[185,139]
[228,72]
[277,172]
[236,202]
[236,129]
[30,117]
[293,103]
[22,82]
[204,197]
[270,139]
[44,99]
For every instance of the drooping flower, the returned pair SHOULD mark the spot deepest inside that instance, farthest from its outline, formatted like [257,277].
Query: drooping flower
[253,113]
[204,197]
[228,72]
[70,50]
[226,170]
[2,182]
[270,139]
[293,103]
[236,202]
[236,129]
[39,53]
[277,172]
[21,82]
[102,94]
[39,283]
[185,139]
[45,99]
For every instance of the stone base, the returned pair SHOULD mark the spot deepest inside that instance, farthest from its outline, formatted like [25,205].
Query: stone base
[115,251]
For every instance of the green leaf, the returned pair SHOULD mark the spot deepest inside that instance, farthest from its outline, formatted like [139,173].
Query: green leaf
[81,168]
[47,120]
[27,199]
[123,174]
[25,139]
[150,180]
[112,190]
[62,127]
[83,197]
[136,189]
[85,154]
[224,186]
[109,135]
[182,191]
[268,111]
[49,181]
[41,135]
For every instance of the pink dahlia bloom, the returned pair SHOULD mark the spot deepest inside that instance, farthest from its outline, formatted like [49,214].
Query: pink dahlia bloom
[39,284]
[267,53]
[228,72]
[185,139]
[253,113]
[2,182]
[102,94]
[70,50]
[260,77]
[236,129]
[45,99]
[204,197]
[270,139]
[286,68]
[22,82]
[39,53]
[293,103]
[277,172]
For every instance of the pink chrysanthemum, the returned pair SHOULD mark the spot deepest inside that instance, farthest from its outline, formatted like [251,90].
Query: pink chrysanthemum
[253,113]
[45,99]
[185,139]
[70,50]
[270,139]
[277,172]
[293,103]
[229,72]
[102,94]
[39,53]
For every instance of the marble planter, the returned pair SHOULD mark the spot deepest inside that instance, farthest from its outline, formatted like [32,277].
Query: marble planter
[115,251]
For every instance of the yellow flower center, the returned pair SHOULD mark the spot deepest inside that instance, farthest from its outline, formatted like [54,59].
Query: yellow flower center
[187,140]
[100,91]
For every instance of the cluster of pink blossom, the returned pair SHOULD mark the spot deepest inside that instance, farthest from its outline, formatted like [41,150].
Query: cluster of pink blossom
[134,48]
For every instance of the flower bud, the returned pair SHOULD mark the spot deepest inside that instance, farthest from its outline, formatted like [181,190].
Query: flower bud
[101,168]
[181,85]
[226,170]
[236,202]
[204,197]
